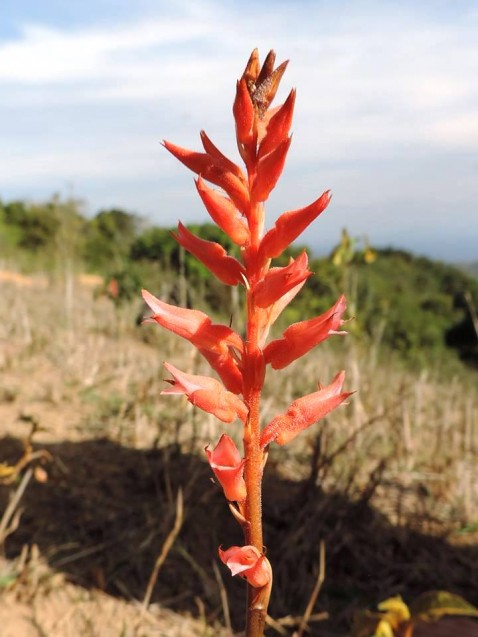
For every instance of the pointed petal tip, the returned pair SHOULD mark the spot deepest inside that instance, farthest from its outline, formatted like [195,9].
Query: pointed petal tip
[146,295]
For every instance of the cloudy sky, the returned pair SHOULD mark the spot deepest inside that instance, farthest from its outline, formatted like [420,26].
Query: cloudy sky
[386,114]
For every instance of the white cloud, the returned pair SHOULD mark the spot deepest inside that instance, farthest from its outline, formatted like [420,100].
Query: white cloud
[380,90]
[458,131]
[46,55]
[99,163]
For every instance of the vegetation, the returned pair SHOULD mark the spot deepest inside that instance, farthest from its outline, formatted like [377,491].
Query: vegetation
[383,483]
[406,445]
[421,309]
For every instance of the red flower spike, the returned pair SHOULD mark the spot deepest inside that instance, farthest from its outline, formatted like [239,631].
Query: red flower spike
[290,225]
[304,412]
[227,269]
[279,281]
[263,139]
[278,126]
[249,563]
[207,394]
[269,169]
[243,111]
[228,467]
[224,213]
[300,338]
[213,341]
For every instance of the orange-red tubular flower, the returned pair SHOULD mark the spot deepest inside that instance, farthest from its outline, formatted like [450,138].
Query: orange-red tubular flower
[269,169]
[300,338]
[219,157]
[197,162]
[243,111]
[193,325]
[207,394]
[268,315]
[225,364]
[304,412]
[279,281]
[226,180]
[290,225]
[228,467]
[215,170]
[213,341]
[224,213]
[278,126]
[249,563]
[227,269]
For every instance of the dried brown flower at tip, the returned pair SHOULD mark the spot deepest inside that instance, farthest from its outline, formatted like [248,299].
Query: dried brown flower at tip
[262,83]
[267,67]
[253,66]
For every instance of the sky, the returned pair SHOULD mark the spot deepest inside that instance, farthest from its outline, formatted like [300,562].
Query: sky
[386,112]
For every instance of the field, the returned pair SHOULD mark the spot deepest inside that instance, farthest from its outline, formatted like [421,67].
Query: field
[387,486]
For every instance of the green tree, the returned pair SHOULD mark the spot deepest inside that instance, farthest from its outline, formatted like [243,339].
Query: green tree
[109,237]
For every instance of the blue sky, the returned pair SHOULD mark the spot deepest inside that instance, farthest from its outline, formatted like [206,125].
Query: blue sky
[386,113]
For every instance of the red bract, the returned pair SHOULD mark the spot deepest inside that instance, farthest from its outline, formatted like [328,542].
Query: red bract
[301,337]
[215,342]
[269,169]
[304,412]
[221,159]
[224,213]
[243,110]
[278,126]
[249,563]
[267,316]
[228,466]
[224,362]
[207,393]
[192,325]
[290,225]
[279,281]
[212,254]
[215,170]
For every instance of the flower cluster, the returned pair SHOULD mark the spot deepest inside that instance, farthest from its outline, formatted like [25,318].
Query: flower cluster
[263,139]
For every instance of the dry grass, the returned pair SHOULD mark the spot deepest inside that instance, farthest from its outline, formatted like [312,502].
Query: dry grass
[388,483]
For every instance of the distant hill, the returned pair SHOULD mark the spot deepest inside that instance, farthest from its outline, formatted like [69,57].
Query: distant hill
[470,268]
[414,305]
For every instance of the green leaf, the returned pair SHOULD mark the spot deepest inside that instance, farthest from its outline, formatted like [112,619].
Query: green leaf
[436,604]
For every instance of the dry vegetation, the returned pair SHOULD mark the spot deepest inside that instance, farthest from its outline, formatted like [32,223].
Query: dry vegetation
[389,483]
